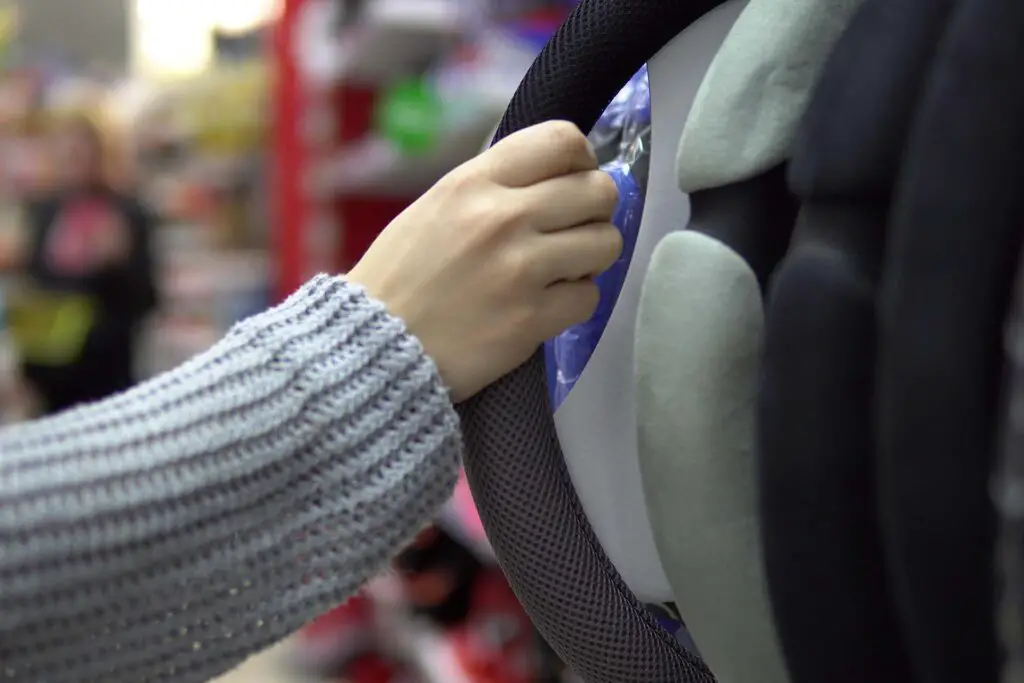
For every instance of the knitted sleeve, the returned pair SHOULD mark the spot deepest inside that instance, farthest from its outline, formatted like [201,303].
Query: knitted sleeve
[169,532]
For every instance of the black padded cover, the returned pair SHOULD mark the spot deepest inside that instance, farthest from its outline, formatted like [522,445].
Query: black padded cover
[954,238]
[823,543]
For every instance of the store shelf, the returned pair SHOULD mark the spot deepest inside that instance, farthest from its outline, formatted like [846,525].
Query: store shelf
[394,36]
[377,168]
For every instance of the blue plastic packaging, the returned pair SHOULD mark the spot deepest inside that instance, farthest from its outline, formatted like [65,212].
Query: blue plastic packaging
[607,134]
[628,119]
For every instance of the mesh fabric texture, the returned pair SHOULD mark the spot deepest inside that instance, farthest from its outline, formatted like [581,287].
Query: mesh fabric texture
[513,460]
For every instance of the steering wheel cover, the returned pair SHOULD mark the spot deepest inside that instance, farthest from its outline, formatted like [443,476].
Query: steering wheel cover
[514,464]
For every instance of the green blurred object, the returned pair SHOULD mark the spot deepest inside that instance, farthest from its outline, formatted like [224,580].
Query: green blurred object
[409,114]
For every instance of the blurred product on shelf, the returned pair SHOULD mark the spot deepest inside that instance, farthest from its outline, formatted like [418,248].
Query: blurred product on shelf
[427,125]
[376,667]
[493,643]
[438,575]
[385,39]
[446,615]
[497,643]
[332,642]
[379,99]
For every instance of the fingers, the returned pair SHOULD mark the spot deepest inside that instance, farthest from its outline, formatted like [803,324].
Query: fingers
[571,200]
[538,153]
[578,253]
[567,304]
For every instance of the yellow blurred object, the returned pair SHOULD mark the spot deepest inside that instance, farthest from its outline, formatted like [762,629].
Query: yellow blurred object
[12,236]
[78,99]
[10,22]
[50,328]
[225,109]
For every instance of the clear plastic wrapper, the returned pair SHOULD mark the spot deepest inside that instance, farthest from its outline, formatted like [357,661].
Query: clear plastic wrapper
[609,132]
[630,114]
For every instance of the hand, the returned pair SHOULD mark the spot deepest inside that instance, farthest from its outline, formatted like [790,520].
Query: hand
[499,255]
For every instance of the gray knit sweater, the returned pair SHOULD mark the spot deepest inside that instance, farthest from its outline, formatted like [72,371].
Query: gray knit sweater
[168,533]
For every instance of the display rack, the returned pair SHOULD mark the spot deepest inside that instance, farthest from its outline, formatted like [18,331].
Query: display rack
[335,173]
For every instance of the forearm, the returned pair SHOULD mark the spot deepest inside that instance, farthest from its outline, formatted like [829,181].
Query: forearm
[168,533]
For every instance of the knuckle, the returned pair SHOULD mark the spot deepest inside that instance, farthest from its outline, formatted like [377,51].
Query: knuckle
[526,318]
[505,215]
[491,212]
[516,265]
[565,136]
[513,211]
[481,209]
[462,180]
[606,191]
[519,321]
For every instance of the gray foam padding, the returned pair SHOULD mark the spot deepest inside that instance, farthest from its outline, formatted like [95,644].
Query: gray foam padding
[750,103]
[698,343]
[520,480]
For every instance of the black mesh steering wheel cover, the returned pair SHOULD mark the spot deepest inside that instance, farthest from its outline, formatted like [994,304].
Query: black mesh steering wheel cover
[514,463]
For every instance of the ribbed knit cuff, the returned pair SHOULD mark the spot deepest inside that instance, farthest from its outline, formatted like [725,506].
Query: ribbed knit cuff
[167,533]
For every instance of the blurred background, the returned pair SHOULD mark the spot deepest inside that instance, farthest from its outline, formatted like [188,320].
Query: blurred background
[168,167]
